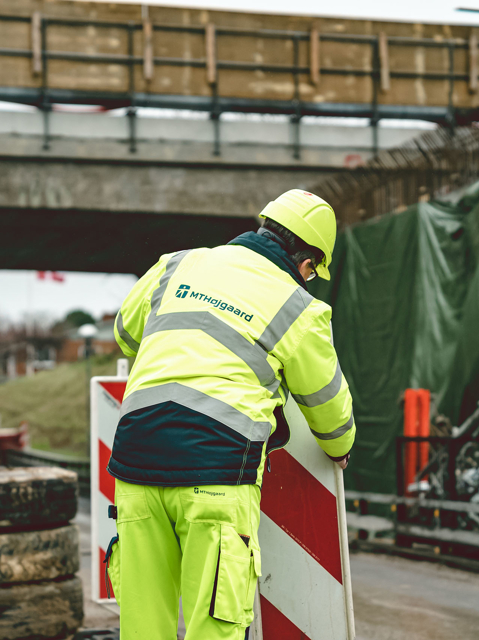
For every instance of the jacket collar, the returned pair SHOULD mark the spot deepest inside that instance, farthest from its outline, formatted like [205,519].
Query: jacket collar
[273,251]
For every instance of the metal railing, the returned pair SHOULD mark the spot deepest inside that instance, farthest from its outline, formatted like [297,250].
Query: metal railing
[445,508]
[406,530]
[377,70]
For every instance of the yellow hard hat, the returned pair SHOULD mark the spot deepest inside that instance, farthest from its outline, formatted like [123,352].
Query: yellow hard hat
[310,218]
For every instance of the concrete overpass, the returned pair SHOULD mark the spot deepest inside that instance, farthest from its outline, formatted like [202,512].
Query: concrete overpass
[95,192]
[88,203]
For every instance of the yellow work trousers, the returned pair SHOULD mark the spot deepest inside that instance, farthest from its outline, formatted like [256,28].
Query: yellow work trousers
[200,542]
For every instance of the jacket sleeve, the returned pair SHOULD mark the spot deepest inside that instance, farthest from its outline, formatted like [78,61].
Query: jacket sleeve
[318,385]
[130,320]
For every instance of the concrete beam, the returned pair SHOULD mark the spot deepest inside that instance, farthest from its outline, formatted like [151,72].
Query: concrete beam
[89,204]
[97,186]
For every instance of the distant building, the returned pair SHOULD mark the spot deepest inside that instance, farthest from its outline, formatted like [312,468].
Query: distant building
[73,347]
[23,354]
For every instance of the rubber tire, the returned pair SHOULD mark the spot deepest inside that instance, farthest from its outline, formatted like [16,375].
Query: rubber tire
[41,611]
[39,555]
[37,497]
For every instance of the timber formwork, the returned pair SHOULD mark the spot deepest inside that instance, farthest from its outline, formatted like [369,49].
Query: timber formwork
[123,55]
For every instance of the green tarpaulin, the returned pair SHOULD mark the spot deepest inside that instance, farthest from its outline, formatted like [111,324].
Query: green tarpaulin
[405,295]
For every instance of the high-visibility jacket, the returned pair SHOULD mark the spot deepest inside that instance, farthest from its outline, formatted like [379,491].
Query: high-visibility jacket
[221,336]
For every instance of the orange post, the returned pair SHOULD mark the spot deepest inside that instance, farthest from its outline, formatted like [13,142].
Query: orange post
[410,429]
[416,423]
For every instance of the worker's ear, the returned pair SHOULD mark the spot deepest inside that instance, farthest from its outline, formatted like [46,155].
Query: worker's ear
[304,268]
[303,263]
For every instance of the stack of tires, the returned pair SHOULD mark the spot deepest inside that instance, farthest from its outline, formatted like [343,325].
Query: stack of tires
[40,596]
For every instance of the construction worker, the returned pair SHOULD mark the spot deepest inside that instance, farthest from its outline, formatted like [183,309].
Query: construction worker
[221,337]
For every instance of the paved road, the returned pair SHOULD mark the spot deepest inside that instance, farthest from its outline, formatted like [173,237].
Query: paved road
[399,599]
[394,598]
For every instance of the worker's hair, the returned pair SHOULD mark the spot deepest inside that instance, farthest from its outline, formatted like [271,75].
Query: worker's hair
[298,249]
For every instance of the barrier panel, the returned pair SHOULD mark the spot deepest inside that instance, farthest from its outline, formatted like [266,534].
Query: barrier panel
[306,583]
[106,393]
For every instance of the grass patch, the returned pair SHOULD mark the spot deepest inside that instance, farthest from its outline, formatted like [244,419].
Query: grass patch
[54,403]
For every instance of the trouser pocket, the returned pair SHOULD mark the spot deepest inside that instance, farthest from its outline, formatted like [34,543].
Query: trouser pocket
[235,579]
[112,568]
[131,502]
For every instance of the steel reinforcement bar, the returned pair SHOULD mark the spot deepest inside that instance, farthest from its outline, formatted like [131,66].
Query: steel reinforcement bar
[427,167]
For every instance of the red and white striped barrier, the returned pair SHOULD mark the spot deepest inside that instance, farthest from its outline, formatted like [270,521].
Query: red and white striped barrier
[306,584]
[106,395]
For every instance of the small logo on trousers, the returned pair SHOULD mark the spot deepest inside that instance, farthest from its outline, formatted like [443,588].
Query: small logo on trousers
[209,493]
[182,291]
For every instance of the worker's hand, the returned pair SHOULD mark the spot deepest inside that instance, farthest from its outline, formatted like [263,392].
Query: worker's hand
[344,463]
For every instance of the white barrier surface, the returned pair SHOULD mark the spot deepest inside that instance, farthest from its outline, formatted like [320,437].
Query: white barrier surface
[306,583]
[106,393]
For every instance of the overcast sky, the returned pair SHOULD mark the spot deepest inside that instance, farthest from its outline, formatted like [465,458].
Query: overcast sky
[24,296]
[22,293]
[406,10]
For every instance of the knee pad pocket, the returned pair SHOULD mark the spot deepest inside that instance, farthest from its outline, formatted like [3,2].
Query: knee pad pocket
[235,580]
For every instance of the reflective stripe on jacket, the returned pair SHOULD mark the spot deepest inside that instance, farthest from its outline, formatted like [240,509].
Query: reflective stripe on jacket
[220,336]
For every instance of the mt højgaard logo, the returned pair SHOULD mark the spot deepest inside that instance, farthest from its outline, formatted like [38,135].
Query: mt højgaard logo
[185,290]
[182,291]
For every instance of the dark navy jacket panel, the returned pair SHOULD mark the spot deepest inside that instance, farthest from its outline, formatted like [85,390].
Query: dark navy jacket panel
[171,445]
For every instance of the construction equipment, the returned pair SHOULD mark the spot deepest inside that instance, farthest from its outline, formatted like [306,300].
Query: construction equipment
[452,475]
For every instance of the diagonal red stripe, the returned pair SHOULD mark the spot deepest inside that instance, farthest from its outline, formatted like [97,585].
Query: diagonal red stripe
[276,626]
[106,481]
[115,389]
[304,509]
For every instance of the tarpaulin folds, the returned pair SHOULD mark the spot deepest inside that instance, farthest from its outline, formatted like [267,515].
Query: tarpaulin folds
[405,295]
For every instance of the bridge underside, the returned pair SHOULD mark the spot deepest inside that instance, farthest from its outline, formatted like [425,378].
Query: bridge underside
[68,202]
[57,214]
[105,241]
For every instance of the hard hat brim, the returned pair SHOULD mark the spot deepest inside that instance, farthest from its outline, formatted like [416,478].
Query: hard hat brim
[323,272]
